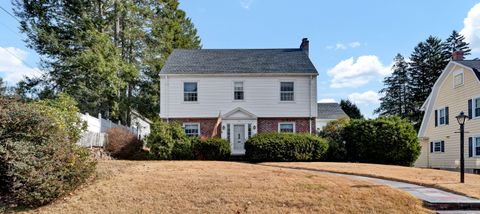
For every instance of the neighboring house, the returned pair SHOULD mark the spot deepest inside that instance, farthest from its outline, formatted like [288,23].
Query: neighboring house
[236,93]
[328,112]
[140,123]
[456,90]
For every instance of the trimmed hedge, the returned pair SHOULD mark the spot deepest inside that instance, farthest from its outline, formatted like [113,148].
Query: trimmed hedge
[39,162]
[385,140]
[285,147]
[333,133]
[122,144]
[211,149]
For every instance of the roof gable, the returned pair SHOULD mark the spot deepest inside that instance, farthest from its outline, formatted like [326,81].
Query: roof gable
[469,65]
[330,111]
[225,61]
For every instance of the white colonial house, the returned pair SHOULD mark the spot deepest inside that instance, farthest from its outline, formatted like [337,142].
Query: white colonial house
[236,93]
[456,90]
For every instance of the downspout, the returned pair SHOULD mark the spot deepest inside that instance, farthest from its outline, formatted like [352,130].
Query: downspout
[166,97]
[310,104]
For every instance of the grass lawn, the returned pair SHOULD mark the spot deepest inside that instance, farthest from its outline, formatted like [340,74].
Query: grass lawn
[442,179]
[226,187]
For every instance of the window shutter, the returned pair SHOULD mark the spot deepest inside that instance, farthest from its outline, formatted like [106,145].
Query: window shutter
[431,147]
[442,146]
[446,115]
[470,147]
[436,118]
[470,109]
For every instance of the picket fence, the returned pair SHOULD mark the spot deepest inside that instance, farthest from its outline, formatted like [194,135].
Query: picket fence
[95,135]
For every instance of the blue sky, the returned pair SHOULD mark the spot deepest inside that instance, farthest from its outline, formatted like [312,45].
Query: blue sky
[352,43]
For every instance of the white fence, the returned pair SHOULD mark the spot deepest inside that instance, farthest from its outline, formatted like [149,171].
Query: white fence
[96,135]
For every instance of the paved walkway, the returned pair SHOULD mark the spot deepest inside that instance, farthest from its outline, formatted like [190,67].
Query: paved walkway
[433,198]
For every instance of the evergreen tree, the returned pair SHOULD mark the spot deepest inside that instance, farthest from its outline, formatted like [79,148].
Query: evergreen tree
[105,54]
[396,98]
[456,42]
[351,109]
[428,60]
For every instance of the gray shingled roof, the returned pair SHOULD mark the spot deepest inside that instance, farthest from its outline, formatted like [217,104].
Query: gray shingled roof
[474,64]
[330,111]
[221,61]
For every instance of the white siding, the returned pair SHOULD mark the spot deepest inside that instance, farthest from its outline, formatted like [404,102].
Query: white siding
[215,94]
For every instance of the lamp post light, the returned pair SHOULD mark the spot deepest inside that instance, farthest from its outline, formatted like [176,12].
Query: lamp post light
[461,121]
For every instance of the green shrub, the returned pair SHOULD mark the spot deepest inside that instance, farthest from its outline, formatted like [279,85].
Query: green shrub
[385,140]
[168,141]
[285,147]
[65,112]
[333,133]
[211,149]
[122,144]
[38,160]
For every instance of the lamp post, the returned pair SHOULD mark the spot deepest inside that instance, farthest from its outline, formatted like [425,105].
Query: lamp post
[461,121]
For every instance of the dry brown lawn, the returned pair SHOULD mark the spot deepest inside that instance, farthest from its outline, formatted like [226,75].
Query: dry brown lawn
[429,177]
[226,187]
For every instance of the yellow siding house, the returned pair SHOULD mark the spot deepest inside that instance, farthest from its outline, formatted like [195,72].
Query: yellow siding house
[456,90]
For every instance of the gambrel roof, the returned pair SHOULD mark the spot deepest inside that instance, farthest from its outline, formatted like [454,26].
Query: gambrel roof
[238,61]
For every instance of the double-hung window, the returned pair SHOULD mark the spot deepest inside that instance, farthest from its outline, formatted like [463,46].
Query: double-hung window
[238,93]
[190,92]
[476,107]
[287,127]
[476,146]
[437,147]
[287,91]
[441,116]
[192,129]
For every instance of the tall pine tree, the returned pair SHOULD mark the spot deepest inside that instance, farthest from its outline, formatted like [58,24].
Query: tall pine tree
[396,97]
[351,109]
[456,42]
[427,62]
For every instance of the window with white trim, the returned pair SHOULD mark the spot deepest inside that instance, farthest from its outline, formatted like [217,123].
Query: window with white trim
[476,107]
[190,92]
[476,146]
[287,127]
[441,116]
[192,129]
[437,146]
[458,78]
[238,93]
[287,91]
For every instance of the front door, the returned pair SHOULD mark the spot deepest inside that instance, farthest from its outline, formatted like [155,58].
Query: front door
[239,138]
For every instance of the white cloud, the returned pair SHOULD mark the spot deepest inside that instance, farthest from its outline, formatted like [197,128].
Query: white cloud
[351,73]
[354,44]
[340,46]
[368,97]
[246,4]
[11,66]
[327,100]
[471,28]
[343,46]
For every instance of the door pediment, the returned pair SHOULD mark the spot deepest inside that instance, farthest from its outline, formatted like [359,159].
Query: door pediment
[239,114]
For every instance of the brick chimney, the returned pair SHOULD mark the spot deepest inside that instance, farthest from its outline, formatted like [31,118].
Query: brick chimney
[304,46]
[457,55]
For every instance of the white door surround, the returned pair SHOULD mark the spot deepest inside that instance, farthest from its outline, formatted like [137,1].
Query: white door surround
[236,121]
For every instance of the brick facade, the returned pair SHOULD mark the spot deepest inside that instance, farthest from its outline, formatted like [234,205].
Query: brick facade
[206,125]
[263,124]
[271,124]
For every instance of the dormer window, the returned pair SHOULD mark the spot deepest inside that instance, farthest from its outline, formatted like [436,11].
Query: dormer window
[458,78]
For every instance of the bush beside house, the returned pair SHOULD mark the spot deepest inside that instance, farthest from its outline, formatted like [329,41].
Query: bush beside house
[385,140]
[333,133]
[168,141]
[39,161]
[122,144]
[211,149]
[285,147]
